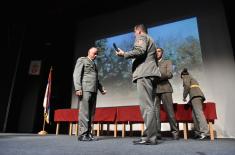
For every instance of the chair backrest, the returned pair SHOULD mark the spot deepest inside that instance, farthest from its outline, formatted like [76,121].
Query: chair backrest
[105,115]
[183,113]
[129,114]
[125,114]
[66,115]
[209,109]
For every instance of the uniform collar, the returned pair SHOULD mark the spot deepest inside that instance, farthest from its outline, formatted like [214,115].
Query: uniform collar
[92,62]
[160,60]
[90,59]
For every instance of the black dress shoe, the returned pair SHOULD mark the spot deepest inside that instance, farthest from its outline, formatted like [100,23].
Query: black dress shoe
[91,136]
[196,136]
[138,140]
[143,142]
[159,137]
[175,135]
[84,138]
[203,137]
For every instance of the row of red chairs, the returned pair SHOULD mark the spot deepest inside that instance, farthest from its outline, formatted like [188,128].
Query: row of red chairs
[132,115]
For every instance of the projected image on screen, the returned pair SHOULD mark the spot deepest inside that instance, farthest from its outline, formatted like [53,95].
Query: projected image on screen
[181,43]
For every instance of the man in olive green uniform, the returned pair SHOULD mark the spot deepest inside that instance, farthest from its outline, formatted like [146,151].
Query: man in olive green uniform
[145,73]
[86,83]
[164,93]
[192,88]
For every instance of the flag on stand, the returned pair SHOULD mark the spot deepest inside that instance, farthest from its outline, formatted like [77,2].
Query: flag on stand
[47,96]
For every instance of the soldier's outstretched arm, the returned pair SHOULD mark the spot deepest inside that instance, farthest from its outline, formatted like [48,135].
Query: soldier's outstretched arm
[186,84]
[139,48]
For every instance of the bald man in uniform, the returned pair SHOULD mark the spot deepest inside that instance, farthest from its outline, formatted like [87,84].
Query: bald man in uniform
[86,83]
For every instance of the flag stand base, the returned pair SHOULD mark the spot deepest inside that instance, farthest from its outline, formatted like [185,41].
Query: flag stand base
[43,132]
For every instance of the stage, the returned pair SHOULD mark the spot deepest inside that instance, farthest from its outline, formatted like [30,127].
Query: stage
[33,144]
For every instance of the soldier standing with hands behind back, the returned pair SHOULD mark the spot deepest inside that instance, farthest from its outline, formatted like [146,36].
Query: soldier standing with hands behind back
[164,93]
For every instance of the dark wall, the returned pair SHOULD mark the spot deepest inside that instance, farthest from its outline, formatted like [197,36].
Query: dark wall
[230,16]
[51,42]
[12,37]
[151,13]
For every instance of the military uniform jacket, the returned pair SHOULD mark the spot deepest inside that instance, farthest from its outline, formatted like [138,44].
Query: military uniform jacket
[85,76]
[143,52]
[163,84]
[193,92]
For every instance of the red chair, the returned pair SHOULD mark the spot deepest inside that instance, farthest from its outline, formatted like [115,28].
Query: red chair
[183,115]
[209,110]
[106,115]
[129,115]
[66,115]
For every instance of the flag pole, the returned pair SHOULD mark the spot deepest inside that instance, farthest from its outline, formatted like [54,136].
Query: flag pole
[45,114]
[43,132]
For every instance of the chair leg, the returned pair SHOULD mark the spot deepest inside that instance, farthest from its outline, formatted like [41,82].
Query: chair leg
[115,129]
[185,125]
[108,129]
[70,128]
[57,128]
[131,132]
[142,129]
[101,128]
[98,130]
[76,126]
[123,129]
[93,131]
[211,131]
[178,125]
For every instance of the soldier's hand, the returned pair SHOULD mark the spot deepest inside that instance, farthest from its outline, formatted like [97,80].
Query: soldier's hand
[79,92]
[184,100]
[120,53]
[104,92]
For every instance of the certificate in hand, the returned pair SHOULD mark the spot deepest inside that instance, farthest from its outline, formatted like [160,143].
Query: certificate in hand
[115,47]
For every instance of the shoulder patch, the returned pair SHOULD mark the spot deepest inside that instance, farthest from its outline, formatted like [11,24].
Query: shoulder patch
[81,59]
[139,42]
